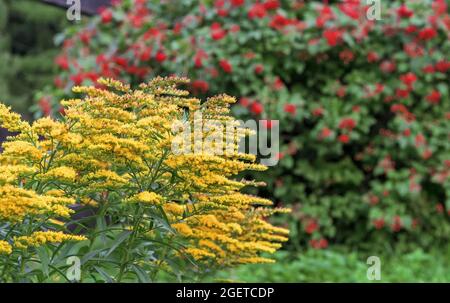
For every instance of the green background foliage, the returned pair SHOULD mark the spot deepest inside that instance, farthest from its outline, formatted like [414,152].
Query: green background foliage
[27,49]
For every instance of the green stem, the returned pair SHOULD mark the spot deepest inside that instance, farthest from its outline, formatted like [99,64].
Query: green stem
[125,258]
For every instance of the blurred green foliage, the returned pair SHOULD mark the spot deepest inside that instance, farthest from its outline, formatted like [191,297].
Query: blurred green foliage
[27,50]
[340,266]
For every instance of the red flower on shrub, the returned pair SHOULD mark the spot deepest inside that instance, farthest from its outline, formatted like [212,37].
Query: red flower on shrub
[45,106]
[160,56]
[146,54]
[404,12]
[346,56]
[408,79]
[77,78]
[442,66]
[106,16]
[402,93]
[439,6]
[414,50]
[427,34]
[387,66]
[177,28]
[396,224]
[58,82]
[311,227]
[271,4]
[427,153]
[219,3]
[410,29]
[341,92]
[325,14]
[226,66]
[257,11]
[62,62]
[217,32]
[333,36]
[372,57]
[290,108]
[317,111]
[85,37]
[347,123]
[429,69]
[325,133]
[278,84]
[407,132]
[279,21]
[259,68]
[350,8]
[136,20]
[256,108]
[434,97]
[244,101]
[235,28]
[198,58]
[440,208]
[420,140]
[373,199]
[200,86]
[222,12]
[121,61]
[318,244]
[378,223]
[379,88]
[237,3]
[344,138]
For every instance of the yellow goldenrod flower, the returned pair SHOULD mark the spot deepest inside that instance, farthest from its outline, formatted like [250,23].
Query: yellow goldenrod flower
[147,197]
[12,121]
[42,237]
[114,150]
[5,248]
[16,203]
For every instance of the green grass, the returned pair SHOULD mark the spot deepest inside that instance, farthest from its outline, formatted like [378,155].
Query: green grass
[336,266]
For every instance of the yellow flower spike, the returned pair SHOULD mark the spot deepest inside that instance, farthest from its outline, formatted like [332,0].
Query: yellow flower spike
[43,237]
[147,198]
[12,121]
[16,203]
[62,173]
[17,150]
[5,248]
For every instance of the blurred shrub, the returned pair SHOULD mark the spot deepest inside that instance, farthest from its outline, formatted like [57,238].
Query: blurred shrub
[364,105]
[27,50]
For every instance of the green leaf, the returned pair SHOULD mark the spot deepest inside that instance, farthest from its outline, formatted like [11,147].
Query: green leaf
[125,234]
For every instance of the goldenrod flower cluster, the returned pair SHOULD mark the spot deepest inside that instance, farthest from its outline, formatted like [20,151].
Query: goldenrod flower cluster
[5,248]
[40,238]
[113,151]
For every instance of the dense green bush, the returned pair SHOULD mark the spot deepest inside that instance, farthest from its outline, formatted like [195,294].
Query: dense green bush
[364,105]
[27,50]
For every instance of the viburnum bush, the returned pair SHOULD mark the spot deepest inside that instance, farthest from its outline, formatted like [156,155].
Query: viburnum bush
[363,102]
[106,177]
